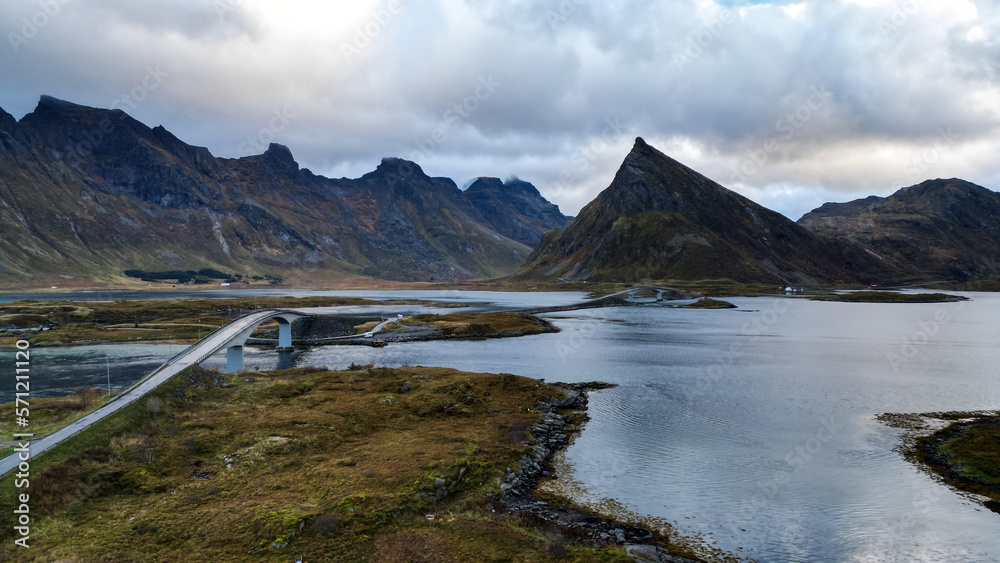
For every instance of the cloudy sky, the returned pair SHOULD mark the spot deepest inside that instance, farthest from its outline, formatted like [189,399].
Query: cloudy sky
[789,103]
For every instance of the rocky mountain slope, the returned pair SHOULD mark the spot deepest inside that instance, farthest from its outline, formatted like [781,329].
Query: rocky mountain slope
[662,220]
[937,230]
[86,193]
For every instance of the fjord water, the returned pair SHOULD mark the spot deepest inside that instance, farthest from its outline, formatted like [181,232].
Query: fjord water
[753,429]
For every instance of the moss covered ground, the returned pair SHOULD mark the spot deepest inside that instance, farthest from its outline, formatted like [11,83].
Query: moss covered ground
[80,322]
[307,463]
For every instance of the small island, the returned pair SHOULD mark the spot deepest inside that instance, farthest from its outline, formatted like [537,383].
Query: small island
[889,297]
[708,303]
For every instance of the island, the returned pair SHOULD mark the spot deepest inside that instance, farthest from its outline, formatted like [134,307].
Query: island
[881,296]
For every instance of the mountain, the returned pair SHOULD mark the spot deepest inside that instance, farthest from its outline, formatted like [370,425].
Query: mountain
[945,230]
[86,193]
[660,219]
[514,209]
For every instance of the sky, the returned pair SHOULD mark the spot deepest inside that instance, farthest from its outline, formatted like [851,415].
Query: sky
[791,104]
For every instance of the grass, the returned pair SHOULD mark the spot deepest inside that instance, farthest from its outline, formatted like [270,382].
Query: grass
[49,414]
[466,324]
[52,413]
[977,452]
[889,297]
[709,303]
[481,324]
[131,321]
[328,466]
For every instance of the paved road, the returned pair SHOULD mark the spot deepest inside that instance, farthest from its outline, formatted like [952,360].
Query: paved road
[381,325]
[189,357]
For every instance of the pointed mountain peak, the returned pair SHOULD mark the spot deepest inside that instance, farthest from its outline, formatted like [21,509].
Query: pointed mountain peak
[644,151]
[649,180]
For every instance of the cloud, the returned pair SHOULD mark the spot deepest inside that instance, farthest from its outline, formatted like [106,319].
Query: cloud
[708,83]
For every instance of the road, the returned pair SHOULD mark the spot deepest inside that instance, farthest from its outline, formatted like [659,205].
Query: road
[189,357]
[381,325]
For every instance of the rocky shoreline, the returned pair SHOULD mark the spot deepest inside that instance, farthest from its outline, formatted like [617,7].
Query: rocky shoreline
[517,496]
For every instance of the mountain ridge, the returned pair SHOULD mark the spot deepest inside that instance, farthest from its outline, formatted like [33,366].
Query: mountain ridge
[121,195]
[86,193]
[942,228]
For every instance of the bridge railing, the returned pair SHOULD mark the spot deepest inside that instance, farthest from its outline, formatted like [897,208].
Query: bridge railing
[174,358]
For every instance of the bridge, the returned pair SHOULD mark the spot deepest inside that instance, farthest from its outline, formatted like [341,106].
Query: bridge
[232,337]
[631,294]
[234,346]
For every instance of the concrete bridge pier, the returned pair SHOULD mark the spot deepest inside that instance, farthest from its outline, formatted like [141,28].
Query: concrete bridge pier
[659,296]
[234,351]
[284,332]
[234,359]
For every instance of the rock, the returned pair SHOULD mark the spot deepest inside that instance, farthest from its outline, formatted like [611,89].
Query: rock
[650,554]
[643,553]
[405,388]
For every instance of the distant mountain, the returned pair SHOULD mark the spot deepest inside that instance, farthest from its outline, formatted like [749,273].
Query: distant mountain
[662,220]
[87,193]
[514,209]
[947,230]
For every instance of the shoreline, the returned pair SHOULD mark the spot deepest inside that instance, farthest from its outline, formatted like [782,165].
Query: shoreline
[921,445]
[551,437]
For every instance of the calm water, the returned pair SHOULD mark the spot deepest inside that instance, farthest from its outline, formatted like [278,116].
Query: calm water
[753,428]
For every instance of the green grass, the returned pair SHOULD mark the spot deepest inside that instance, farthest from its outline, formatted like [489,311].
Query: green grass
[977,452]
[50,414]
[216,468]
